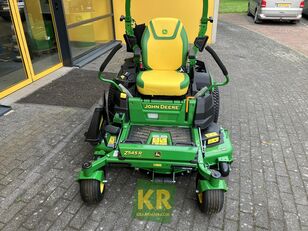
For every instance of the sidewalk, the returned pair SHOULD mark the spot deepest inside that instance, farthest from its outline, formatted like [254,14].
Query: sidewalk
[265,107]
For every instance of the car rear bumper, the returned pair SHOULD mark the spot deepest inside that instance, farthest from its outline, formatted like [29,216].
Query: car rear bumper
[281,13]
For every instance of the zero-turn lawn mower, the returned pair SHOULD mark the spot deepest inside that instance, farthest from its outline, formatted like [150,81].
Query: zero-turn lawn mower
[161,113]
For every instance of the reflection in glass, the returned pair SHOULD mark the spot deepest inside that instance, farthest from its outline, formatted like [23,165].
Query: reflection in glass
[40,35]
[80,10]
[88,36]
[11,66]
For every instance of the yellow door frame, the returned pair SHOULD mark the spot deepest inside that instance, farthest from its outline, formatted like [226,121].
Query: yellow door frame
[24,51]
[60,64]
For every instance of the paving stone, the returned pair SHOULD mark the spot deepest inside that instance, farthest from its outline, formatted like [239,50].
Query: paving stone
[246,221]
[300,196]
[62,222]
[246,204]
[81,216]
[232,209]
[303,214]
[7,214]
[44,224]
[90,225]
[292,221]
[34,219]
[57,210]
[284,184]
[288,202]
[15,223]
[275,209]
[230,225]
[261,217]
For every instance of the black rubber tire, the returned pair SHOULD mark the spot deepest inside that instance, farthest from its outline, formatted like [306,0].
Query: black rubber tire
[212,201]
[90,191]
[215,94]
[111,96]
[248,10]
[256,18]
[224,169]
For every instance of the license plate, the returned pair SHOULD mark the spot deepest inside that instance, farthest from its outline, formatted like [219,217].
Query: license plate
[285,5]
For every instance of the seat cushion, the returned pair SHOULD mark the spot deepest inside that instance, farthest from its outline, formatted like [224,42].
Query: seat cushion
[162,83]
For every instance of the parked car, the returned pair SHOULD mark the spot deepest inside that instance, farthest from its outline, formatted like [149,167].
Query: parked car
[305,10]
[5,9]
[284,10]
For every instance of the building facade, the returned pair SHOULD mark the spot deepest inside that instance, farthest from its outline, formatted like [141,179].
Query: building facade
[38,37]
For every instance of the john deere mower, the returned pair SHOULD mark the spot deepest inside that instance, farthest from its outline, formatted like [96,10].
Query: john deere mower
[161,113]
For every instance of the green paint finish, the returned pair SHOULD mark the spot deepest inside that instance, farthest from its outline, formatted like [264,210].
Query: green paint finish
[165,38]
[144,46]
[185,82]
[102,78]
[204,185]
[140,82]
[149,152]
[224,150]
[96,175]
[170,113]
[185,46]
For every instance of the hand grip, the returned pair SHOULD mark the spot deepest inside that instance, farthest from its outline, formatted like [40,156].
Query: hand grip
[217,60]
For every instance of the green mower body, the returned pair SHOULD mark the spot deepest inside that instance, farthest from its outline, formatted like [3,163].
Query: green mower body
[160,134]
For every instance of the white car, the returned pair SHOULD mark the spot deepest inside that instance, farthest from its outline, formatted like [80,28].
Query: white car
[284,10]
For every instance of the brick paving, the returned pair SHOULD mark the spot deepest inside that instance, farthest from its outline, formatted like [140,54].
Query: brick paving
[294,36]
[265,107]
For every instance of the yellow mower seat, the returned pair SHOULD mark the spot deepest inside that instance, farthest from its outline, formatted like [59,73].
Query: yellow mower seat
[164,52]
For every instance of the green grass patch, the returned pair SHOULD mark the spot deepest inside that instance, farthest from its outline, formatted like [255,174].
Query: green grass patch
[233,6]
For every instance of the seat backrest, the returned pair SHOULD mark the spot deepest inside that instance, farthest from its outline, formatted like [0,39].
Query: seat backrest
[164,44]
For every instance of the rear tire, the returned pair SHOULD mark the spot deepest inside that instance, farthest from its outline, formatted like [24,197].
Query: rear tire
[111,99]
[215,95]
[256,18]
[91,191]
[248,10]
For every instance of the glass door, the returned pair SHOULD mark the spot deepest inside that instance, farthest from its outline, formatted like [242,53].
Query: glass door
[89,24]
[12,66]
[28,43]
[41,36]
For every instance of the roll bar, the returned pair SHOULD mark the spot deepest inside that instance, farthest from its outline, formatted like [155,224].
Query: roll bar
[203,22]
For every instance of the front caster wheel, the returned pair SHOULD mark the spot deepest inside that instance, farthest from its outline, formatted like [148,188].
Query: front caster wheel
[211,201]
[91,191]
[224,168]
